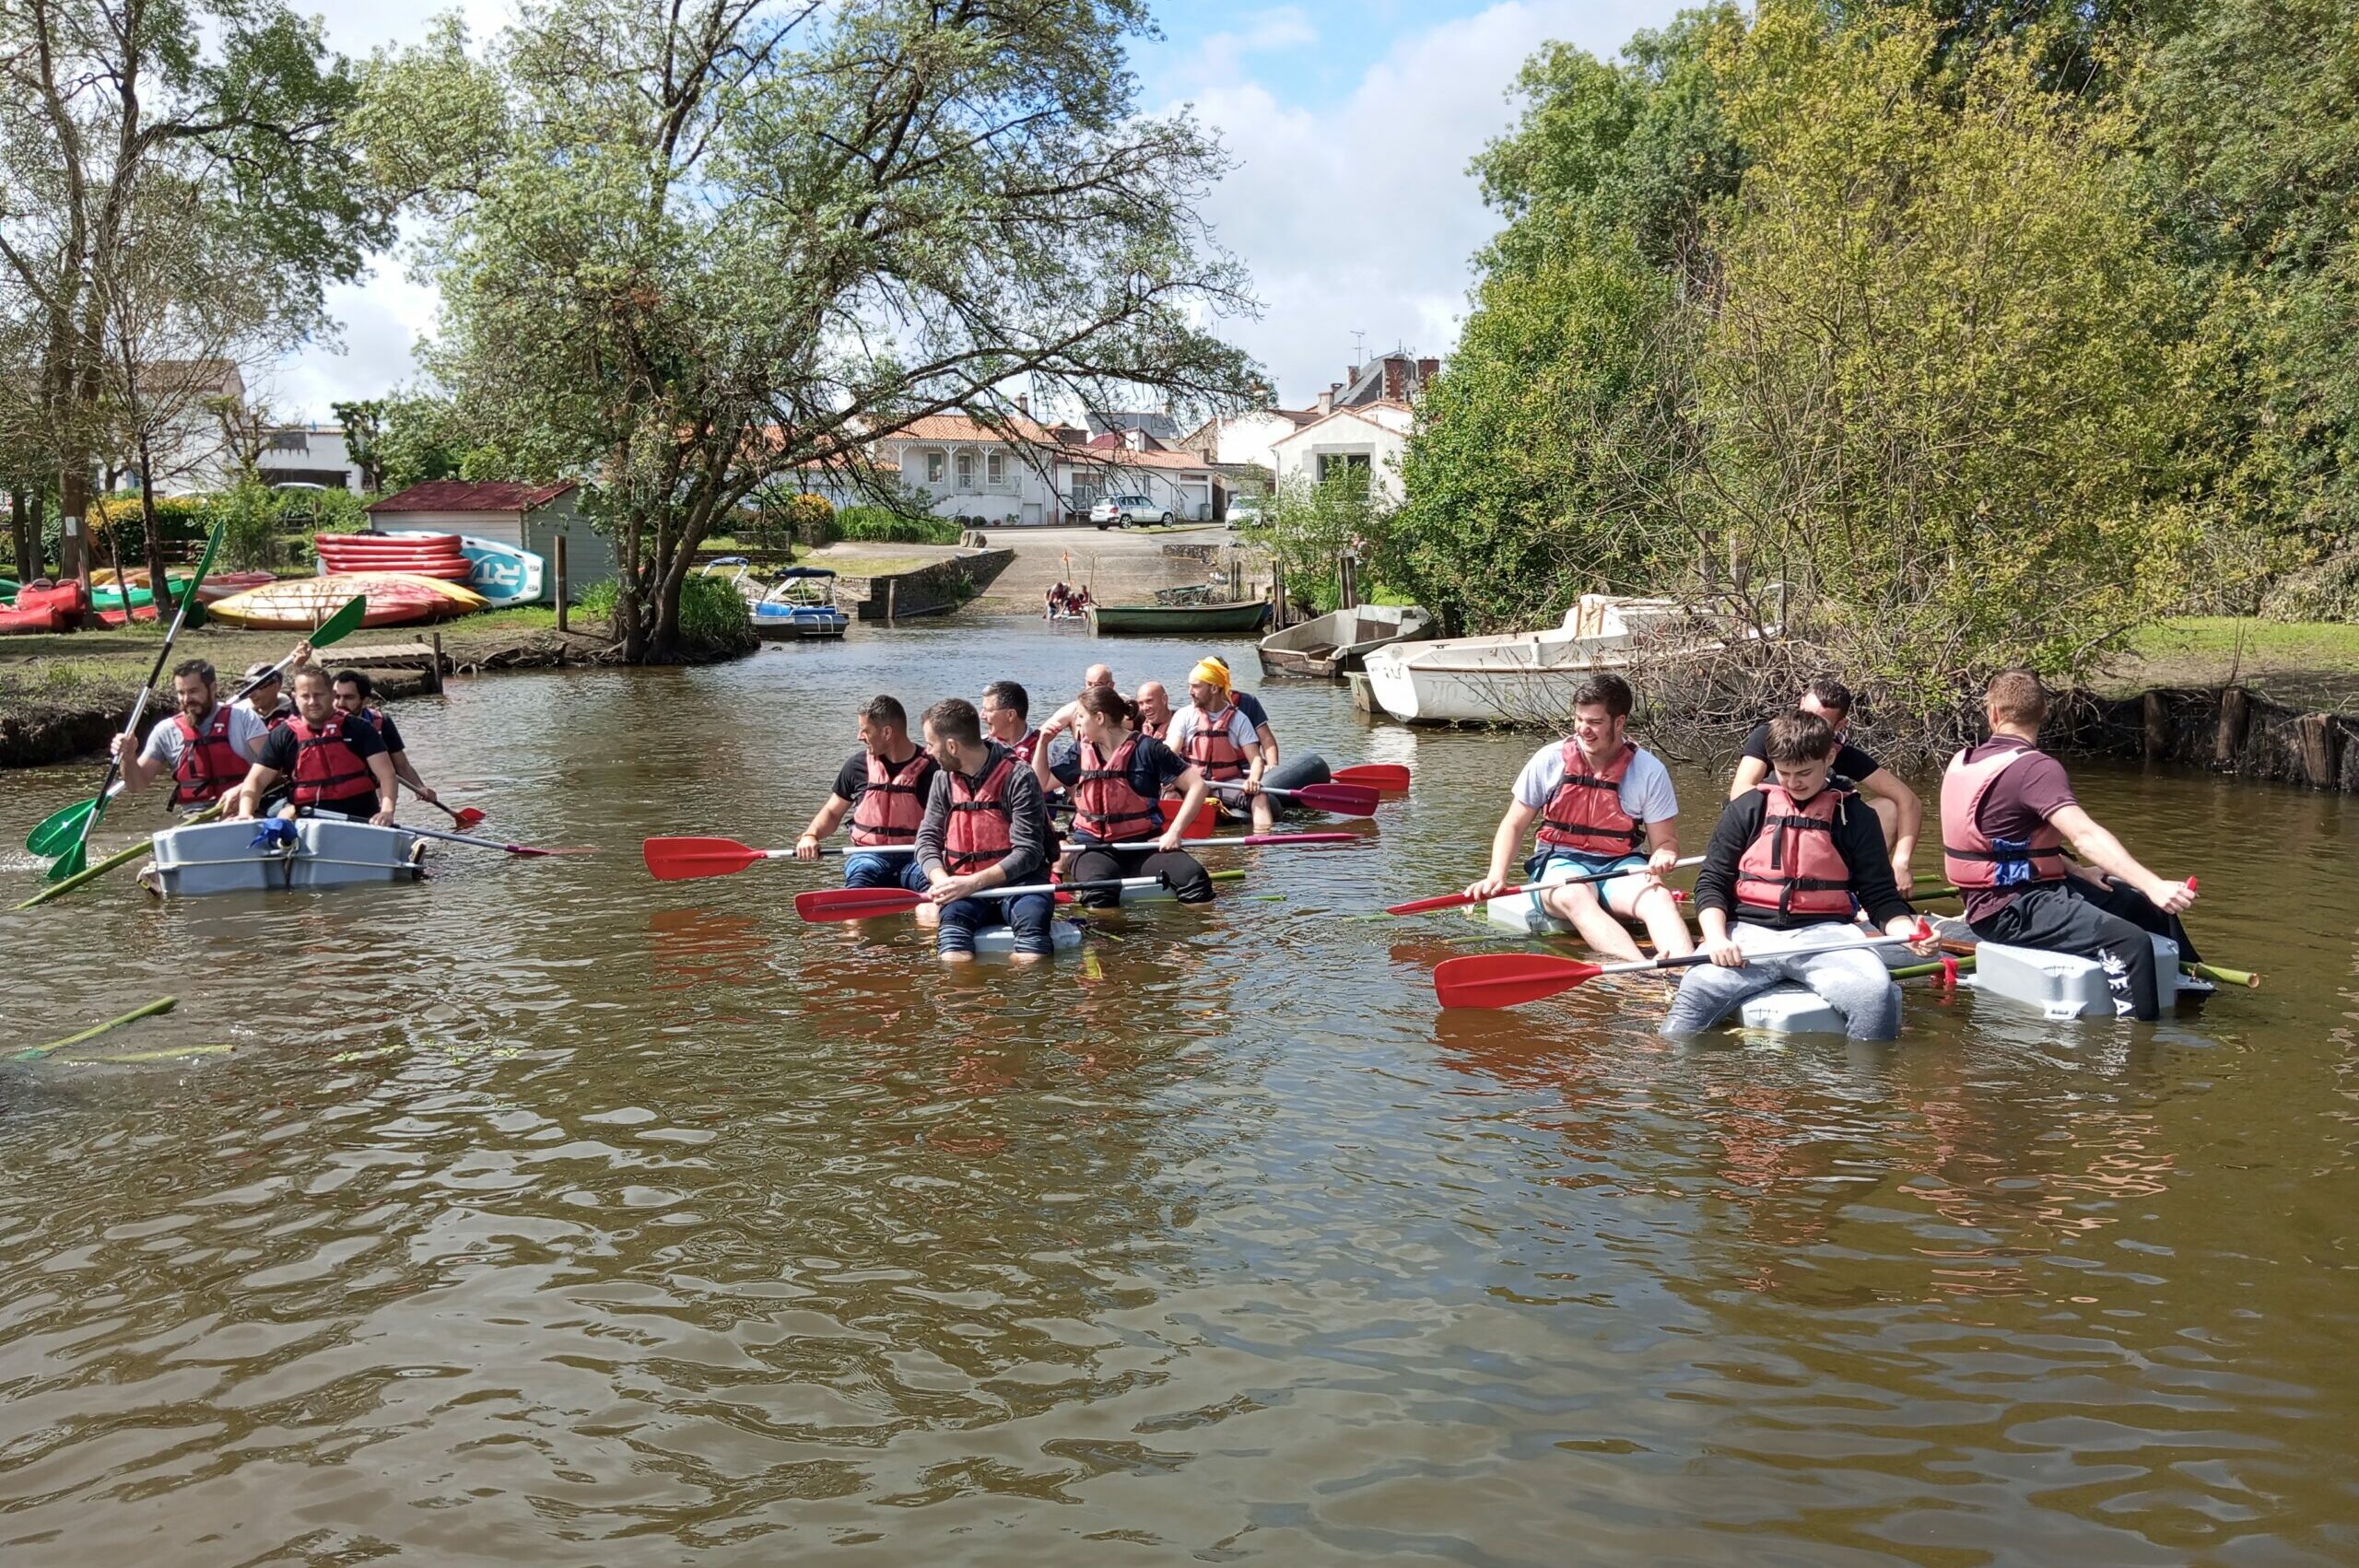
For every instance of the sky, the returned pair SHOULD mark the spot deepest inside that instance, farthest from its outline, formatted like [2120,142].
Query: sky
[1351,123]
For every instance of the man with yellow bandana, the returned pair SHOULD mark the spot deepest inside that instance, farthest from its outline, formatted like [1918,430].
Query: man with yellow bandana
[1213,733]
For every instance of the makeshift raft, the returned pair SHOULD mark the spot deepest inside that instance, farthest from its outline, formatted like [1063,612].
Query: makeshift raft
[271,857]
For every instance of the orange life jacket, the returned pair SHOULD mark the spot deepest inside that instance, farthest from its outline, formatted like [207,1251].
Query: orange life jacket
[1211,747]
[1971,858]
[893,802]
[1106,806]
[1585,813]
[981,828]
[326,767]
[1792,866]
[209,766]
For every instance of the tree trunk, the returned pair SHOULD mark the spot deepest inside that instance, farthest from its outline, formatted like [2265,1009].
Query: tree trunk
[158,583]
[24,530]
[73,509]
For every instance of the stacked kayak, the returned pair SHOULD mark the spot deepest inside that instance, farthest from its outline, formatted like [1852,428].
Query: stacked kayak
[45,607]
[217,586]
[396,598]
[422,555]
[269,857]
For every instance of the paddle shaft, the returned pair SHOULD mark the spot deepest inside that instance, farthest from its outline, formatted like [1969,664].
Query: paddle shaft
[1077,846]
[1688,960]
[162,1004]
[463,838]
[1460,900]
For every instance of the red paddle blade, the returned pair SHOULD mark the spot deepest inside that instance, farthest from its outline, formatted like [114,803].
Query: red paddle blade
[464,820]
[1373,776]
[1439,901]
[855,903]
[682,859]
[1343,800]
[1507,979]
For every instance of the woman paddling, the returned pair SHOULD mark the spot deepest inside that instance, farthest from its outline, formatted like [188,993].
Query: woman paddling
[1117,777]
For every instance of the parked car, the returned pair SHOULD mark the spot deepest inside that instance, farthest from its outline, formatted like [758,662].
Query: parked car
[1244,511]
[1128,511]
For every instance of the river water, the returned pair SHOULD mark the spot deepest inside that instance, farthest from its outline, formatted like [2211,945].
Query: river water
[548,1214]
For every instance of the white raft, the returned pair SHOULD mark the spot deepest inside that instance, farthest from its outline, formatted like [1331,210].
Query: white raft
[999,942]
[2058,985]
[221,857]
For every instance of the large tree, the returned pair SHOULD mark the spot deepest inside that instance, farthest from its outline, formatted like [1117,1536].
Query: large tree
[693,249]
[118,116]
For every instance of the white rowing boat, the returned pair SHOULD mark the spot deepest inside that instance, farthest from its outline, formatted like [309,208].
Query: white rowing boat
[1333,646]
[1516,678]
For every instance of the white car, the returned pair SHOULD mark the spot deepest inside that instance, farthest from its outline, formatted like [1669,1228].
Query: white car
[1125,512]
[1244,511]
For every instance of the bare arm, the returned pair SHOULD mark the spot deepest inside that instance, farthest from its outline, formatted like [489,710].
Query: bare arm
[831,815]
[389,789]
[248,799]
[1908,809]
[405,771]
[1504,844]
[1662,845]
[1750,772]
[2103,851]
[1268,739]
[140,770]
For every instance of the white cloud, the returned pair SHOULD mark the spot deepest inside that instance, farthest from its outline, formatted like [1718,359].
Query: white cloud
[1221,57]
[1359,216]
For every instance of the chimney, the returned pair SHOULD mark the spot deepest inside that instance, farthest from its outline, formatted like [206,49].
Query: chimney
[1426,370]
[1024,403]
[1396,378]
[1134,438]
[1326,402]
[1352,376]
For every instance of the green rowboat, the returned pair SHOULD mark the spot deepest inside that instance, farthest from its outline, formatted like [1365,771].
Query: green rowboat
[1177,620]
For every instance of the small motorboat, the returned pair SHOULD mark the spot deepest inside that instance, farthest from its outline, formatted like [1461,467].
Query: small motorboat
[801,605]
[1332,647]
[276,855]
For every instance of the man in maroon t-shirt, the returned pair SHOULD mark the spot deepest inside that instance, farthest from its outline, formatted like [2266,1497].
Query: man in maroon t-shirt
[2007,813]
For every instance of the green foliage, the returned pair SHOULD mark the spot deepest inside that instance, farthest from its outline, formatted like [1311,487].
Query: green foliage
[713,613]
[882,525]
[406,440]
[250,516]
[1310,527]
[179,519]
[810,519]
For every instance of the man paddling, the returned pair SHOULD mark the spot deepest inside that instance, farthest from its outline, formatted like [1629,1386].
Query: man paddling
[1117,777]
[332,763]
[2008,812]
[1006,704]
[985,827]
[1215,734]
[1602,803]
[206,748]
[884,787]
[1789,863]
[1898,811]
[353,690]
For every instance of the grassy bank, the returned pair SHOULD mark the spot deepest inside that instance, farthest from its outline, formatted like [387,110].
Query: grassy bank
[2313,664]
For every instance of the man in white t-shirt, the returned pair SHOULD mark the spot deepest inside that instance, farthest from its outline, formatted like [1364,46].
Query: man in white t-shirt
[206,749]
[1601,803]
[1213,733]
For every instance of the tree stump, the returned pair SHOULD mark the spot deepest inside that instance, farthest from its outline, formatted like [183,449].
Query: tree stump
[2158,730]
[2235,713]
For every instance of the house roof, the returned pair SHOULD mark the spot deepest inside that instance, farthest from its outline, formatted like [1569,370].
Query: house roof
[960,428]
[1118,457]
[471,496]
[1162,426]
[1361,412]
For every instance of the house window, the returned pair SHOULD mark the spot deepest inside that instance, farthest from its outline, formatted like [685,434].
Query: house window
[934,468]
[965,471]
[1335,465]
[995,465]
[1086,487]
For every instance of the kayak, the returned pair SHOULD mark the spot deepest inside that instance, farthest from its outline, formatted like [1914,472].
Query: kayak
[426,554]
[253,857]
[40,618]
[394,599]
[503,574]
[216,586]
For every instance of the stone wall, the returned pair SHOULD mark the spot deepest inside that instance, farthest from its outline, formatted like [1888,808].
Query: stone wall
[2228,729]
[930,590]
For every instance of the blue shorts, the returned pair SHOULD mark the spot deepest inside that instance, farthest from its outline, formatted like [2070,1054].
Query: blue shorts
[1557,865]
[1029,915]
[885,870]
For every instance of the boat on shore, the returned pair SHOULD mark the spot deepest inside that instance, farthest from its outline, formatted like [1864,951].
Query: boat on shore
[394,599]
[1516,677]
[1217,619]
[798,607]
[1331,647]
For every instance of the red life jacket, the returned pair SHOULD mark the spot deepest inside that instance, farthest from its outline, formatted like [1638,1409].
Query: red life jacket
[326,768]
[1971,858]
[1585,814]
[1025,746]
[1106,806]
[1147,727]
[893,802]
[1792,866]
[981,828]
[210,766]
[1211,747]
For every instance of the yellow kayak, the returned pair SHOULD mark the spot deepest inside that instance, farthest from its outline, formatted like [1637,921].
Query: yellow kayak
[394,599]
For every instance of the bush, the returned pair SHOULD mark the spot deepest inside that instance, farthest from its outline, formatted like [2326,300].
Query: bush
[881,525]
[177,517]
[712,612]
[813,518]
[250,516]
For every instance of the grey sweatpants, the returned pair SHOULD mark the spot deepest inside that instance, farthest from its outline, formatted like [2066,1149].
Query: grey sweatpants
[1855,983]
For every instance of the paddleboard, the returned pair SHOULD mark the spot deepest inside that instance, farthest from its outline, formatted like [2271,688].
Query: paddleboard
[503,574]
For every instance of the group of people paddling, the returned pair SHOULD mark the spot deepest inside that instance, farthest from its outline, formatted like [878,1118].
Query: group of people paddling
[328,749]
[970,804]
[1816,837]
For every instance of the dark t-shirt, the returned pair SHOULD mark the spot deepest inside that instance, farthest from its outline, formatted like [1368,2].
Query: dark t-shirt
[1250,706]
[1859,839]
[387,731]
[851,779]
[2018,801]
[280,748]
[1850,762]
[1153,766]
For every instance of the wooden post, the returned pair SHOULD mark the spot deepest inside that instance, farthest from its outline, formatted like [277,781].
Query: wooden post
[1278,594]
[890,598]
[2159,730]
[2314,737]
[1347,571]
[2236,712]
[434,681]
[1235,576]
[561,582]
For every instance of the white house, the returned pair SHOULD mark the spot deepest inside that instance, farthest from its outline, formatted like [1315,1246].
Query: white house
[308,454]
[1368,439]
[1025,474]
[1246,440]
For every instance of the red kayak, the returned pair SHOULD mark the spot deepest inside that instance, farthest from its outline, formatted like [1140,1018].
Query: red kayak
[41,618]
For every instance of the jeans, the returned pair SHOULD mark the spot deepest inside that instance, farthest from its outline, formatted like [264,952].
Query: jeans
[1855,984]
[885,870]
[1190,883]
[2109,924]
[1029,915]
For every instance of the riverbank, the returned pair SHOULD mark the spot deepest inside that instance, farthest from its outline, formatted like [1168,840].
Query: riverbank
[66,696]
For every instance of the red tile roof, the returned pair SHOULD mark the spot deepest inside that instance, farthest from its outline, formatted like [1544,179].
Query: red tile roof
[471,496]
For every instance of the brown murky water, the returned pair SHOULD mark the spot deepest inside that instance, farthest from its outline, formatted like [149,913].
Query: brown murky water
[548,1214]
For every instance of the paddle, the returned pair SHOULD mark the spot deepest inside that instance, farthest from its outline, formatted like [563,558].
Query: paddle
[1507,980]
[76,858]
[859,903]
[335,628]
[465,818]
[1373,776]
[1341,800]
[1460,900]
[684,859]
[483,843]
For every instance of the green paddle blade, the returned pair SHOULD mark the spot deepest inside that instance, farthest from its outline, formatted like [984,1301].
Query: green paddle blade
[203,560]
[341,625]
[60,830]
[74,862]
